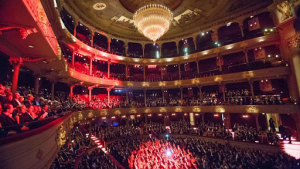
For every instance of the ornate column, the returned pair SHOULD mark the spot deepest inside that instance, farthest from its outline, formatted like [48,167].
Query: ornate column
[126,48]
[75,27]
[223,90]
[108,42]
[16,63]
[181,94]
[179,71]
[126,71]
[91,65]
[293,43]
[145,98]
[177,45]
[200,92]
[52,90]
[219,56]
[163,94]
[161,72]
[108,68]
[202,115]
[108,94]
[256,121]
[144,72]
[242,29]
[195,42]
[251,87]
[36,84]
[73,58]
[198,69]
[92,37]
[71,93]
[127,98]
[90,93]
[245,50]
[143,47]
[192,119]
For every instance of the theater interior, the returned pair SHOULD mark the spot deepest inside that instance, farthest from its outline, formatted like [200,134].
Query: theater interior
[150,84]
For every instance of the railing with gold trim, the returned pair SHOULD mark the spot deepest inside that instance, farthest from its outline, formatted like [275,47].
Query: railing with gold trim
[270,73]
[226,49]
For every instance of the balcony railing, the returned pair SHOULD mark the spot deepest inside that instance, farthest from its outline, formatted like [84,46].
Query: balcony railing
[269,73]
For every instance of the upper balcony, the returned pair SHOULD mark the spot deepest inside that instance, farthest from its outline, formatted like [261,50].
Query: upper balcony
[204,45]
[269,73]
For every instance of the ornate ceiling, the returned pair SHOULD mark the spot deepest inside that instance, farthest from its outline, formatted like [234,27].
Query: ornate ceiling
[189,15]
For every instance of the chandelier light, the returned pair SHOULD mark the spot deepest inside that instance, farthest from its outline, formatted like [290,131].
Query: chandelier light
[153,21]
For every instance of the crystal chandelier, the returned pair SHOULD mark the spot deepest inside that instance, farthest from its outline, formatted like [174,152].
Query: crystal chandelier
[153,21]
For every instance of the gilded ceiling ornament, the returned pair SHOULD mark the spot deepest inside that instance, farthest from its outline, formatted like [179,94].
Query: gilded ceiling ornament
[99,6]
[285,10]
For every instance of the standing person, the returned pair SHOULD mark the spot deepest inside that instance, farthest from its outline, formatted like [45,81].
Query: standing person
[272,124]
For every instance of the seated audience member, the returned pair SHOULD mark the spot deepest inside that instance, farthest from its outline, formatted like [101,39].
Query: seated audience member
[31,112]
[2,93]
[7,118]
[29,100]
[16,102]
[36,100]
[37,110]
[44,113]
[8,99]
[24,117]
[21,99]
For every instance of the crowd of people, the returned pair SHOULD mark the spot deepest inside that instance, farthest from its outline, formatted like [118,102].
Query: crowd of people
[135,144]
[20,113]
[70,150]
[129,152]
[161,154]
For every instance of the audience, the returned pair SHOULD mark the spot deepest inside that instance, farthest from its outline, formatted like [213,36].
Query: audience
[17,115]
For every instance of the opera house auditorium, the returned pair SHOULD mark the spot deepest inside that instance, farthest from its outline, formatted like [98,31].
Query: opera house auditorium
[149,84]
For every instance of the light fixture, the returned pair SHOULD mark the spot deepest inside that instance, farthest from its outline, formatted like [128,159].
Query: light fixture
[153,21]
[30,46]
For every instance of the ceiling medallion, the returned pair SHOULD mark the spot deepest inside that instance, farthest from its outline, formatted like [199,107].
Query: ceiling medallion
[99,6]
[153,21]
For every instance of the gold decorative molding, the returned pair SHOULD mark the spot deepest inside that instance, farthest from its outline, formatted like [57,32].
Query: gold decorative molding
[293,41]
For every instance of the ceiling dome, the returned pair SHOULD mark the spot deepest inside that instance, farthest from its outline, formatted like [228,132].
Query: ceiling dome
[134,5]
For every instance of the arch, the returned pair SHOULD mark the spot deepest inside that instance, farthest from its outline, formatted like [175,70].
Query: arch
[168,49]
[135,50]
[152,51]
[229,33]
[117,47]
[204,41]
[83,33]
[100,42]
[68,20]
[265,21]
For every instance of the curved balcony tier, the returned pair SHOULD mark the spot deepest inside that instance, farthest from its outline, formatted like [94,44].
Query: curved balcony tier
[270,73]
[84,49]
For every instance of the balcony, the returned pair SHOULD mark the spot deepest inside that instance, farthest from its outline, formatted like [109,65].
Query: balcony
[269,73]
[87,50]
